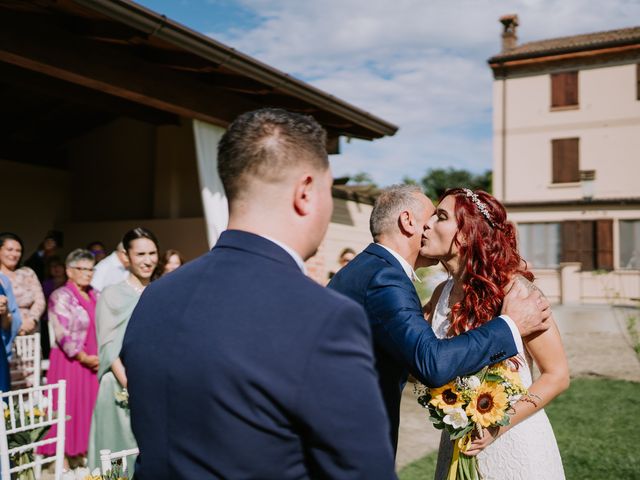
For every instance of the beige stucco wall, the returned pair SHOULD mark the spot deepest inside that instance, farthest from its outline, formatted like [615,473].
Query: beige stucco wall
[349,227]
[607,123]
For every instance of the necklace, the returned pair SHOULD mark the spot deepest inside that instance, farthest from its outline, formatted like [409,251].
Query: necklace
[138,289]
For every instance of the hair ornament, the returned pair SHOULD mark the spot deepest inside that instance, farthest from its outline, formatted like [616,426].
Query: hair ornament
[482,207]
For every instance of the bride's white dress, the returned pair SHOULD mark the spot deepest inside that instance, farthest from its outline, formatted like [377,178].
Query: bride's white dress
[527,451]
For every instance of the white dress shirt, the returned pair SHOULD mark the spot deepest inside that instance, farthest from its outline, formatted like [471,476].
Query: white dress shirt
[295,255]
[109,272]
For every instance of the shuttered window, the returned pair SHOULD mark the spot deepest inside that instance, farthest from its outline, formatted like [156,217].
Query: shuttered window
[588,242]
[565,154]
[564,89]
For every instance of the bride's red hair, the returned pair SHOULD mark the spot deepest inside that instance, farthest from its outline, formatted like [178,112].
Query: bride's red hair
[489,256]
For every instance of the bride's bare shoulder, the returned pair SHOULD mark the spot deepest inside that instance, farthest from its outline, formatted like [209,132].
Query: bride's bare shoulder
[520,279]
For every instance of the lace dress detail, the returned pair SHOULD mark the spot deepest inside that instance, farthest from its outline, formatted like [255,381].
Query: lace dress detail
[527,451]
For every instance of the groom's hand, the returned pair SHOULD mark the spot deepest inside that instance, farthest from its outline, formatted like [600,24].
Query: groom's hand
[527,307]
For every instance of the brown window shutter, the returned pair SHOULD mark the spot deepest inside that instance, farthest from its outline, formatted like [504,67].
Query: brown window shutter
[604,244]
[638,81]
[565,154]
[564,89]
[586,244]
[571,88]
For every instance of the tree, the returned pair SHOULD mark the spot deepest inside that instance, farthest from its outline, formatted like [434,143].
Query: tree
[361,178]
[438,180]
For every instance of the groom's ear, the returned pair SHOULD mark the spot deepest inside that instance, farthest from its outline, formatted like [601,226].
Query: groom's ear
[407,223]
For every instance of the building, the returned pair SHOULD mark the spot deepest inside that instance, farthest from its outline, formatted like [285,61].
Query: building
[111,114]
[566,116]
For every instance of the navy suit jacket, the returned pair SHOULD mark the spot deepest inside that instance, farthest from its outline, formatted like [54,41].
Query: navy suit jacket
[403,341]
[241,367]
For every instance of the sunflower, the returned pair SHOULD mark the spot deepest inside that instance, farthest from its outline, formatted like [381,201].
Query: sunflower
[446,397]
[488,405]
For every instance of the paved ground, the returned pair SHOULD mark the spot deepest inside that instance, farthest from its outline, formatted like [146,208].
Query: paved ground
[597,344]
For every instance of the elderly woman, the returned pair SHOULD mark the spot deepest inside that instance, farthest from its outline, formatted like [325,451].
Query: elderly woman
[74,356]
[25,283]
[111,426]
[9,325]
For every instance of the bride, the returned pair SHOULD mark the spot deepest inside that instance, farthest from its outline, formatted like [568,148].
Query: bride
[471,237]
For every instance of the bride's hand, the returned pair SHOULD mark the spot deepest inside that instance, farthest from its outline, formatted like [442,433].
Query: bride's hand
[479,444]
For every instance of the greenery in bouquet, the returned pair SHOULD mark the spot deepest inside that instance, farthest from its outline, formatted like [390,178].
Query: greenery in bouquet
[117,472]
[19,439]
[122,398]
[466,405]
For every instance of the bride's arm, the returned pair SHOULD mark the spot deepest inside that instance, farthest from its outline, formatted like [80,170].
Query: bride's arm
[548,353]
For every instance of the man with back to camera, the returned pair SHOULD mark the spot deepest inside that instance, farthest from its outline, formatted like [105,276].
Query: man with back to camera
[380,279]
[239,366]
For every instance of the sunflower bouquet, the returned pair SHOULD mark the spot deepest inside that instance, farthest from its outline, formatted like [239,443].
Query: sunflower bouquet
[466,405]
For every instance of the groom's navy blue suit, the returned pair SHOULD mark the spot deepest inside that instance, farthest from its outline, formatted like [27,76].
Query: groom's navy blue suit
[403,341]
[241,367]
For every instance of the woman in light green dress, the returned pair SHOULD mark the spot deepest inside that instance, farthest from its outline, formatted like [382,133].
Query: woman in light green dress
[111,423]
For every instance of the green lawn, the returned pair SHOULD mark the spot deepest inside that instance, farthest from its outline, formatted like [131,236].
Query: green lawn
[597,425]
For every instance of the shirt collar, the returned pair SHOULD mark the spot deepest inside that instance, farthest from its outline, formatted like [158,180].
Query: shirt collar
[296,257]
[408,269]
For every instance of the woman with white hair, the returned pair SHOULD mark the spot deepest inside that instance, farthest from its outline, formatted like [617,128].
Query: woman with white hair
[74,356]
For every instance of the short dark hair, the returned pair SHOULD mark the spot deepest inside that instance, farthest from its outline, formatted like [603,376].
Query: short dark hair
[265,144]
[4,236]
[136,233]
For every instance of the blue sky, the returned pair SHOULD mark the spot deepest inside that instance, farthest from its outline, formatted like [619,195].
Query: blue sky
[419,64]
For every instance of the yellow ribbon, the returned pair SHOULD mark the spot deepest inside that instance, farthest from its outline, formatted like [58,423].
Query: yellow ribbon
[458,446]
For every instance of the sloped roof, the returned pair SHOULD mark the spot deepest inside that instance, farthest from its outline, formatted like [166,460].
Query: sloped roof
[573,43]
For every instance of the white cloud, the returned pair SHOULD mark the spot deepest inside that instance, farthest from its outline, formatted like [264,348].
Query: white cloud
[420,64]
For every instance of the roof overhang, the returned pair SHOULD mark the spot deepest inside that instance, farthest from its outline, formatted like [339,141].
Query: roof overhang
[121,49]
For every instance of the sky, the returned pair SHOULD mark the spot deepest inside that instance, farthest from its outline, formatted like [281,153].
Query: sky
[420,64]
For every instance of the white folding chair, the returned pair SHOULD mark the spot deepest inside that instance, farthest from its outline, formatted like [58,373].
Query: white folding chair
[109,458]
[25,367]
[22,417]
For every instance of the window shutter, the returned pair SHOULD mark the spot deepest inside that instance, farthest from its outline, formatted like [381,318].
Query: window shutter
[578,241]
[571,88]
[564,89]
[638,81]
[565,154]
[604,244]
[586,241]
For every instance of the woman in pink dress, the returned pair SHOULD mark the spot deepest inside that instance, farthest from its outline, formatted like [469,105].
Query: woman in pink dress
[74,356]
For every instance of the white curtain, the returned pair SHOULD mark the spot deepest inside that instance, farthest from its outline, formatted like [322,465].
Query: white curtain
[214,200]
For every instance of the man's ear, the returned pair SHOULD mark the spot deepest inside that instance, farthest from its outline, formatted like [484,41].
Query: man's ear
[303,195]
[407,222]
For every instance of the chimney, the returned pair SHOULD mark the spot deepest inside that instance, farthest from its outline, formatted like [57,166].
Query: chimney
[509,37]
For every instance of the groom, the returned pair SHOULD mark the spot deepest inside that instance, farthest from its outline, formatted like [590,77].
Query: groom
[380,279]
[240,366]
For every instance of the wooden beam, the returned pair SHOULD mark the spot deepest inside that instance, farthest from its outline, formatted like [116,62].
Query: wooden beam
[31,42]
[44,86]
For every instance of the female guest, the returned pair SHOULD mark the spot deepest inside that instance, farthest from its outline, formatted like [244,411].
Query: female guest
[470,235]
[111,426]
[25,283]
[170,260]
[56,276]
[9,323]
[74,356]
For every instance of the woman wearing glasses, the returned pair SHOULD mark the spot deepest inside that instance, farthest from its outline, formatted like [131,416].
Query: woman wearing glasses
[74,356]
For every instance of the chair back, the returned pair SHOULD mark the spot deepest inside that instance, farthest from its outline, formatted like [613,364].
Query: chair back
[110,460]
[25,367]
[28,414]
